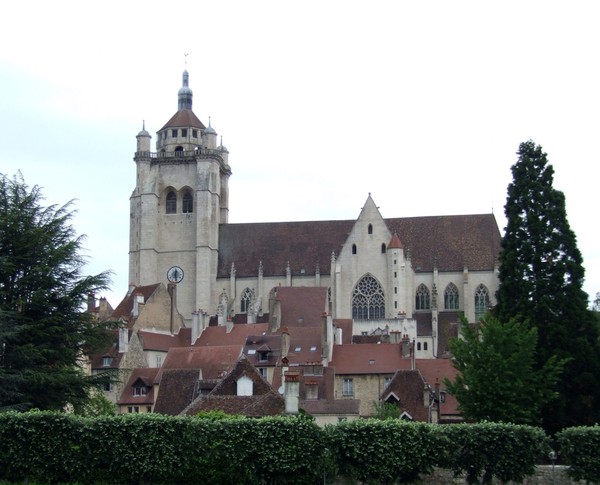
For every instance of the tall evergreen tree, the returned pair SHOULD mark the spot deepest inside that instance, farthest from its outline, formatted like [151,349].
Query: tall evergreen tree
[44,332]
[541,280]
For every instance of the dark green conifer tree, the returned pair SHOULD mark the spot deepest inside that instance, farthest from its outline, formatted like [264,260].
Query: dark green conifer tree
[44,330]
[541,282]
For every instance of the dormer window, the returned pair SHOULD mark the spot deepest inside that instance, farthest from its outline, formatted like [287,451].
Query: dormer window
[139,391]
[106,361]
[263,356]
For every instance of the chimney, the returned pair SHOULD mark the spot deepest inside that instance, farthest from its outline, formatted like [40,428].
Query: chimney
[292,392]
[285,342]
[405,346]
[137,301]
[123,340]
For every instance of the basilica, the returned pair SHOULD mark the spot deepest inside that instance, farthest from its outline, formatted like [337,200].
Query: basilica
[329,317]
[425,269]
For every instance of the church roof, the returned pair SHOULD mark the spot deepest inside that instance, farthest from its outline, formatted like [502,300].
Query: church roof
[451,242]
[184,118]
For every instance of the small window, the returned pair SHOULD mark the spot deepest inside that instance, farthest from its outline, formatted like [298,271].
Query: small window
[386,381]
[184,133]
[106,361]
[158,361]
[383,248]
[348,389]
[133,409]
[195,133]
[107,386]
[139,391]
[263,356]
[171,205]
[174,133]
[188,203]
[179,149]
[354,249]
[263,372]
[418,345]
[424,345]
[370,229]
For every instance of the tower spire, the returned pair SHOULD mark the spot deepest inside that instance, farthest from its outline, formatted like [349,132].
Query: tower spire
[184,97]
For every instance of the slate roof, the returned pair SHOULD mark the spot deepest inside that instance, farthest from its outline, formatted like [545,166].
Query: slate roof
[453,242]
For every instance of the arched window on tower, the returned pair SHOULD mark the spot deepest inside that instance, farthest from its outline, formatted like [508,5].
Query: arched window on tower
[370,229]
[354,249]
[368,301]
[188,202]
[171,206]
[383,248]
[482,301]
[451,297]
[179,149]
[422,301]
[246,300]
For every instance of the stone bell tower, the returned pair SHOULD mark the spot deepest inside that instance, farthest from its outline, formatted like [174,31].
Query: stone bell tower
[180,199]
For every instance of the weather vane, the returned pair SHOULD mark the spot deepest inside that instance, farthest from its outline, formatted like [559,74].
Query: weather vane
[185,54]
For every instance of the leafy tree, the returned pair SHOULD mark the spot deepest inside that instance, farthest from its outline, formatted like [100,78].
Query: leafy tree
[541,280]
[44,332]
[386,410]
[498,379]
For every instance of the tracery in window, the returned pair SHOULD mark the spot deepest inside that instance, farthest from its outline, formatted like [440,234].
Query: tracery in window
[246,299]
[482,301]
[171,206]
[422,300]
[368,301]
[187,203]
[451,297]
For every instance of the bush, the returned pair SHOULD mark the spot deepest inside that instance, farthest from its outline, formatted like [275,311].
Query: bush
[579,448]
[486,450]
[383,451]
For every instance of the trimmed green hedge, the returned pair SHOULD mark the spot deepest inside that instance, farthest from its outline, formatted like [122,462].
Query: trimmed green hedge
[483,451]
[54,448]
[580,449]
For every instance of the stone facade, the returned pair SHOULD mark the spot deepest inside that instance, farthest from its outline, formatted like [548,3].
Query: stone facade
[374,268]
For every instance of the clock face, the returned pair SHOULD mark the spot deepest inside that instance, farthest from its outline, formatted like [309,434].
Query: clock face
[175,274]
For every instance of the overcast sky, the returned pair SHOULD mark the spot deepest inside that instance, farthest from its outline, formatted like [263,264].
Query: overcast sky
[422,104]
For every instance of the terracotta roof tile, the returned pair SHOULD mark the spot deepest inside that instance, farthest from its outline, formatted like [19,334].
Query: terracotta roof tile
[368,359]
[301,306]
[125,307]
[214,361]
[237,336]
[184,118]
[143,377]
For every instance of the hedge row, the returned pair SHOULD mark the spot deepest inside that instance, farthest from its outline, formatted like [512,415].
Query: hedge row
[580,448]
[150,448]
